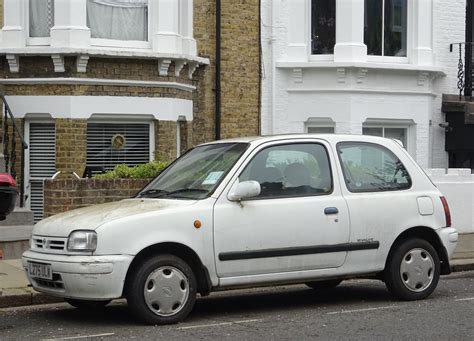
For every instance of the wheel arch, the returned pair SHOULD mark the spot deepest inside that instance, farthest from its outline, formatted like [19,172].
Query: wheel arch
[179,250]
[430,236]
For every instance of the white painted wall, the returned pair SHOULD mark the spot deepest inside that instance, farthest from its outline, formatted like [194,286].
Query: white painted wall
[83,107]
[457,185]
[349,86]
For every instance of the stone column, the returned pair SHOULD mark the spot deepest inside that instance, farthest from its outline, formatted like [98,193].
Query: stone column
[14,34]
[422,53]
[70,24]
[298,31]
[164,16]
[350,45]
[186,29]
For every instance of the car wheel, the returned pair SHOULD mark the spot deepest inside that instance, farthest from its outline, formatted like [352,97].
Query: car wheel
[413,270]
[87,304]
[162,290]
[324,285]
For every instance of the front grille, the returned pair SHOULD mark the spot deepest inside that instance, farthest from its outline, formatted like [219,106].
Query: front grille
[55,283]
[49,244]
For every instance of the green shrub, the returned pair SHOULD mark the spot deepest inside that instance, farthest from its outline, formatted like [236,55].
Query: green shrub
[144,171]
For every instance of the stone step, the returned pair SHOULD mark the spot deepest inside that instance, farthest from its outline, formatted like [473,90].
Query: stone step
[15,232]
[465,247]
[20,216]
[13,250]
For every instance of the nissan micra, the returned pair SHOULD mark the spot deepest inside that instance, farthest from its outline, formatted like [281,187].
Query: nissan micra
[313,209]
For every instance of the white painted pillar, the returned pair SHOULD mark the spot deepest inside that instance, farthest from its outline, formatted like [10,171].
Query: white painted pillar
[422,53]
[298,31]
[350,45]
[186,29]
[70,24]
[165,36]
[14,32]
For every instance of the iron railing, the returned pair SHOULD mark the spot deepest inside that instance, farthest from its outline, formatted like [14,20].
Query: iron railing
[464,84]
[10,148]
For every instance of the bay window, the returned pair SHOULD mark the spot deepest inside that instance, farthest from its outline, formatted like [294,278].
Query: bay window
[118,19]
[385,27]
[41,18]
[323,26]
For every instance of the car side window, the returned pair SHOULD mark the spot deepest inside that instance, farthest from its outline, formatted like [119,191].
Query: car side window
[370,167]
[288,170]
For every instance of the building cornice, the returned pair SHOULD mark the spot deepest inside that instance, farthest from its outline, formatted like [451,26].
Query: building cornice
[97,81]
[164,60]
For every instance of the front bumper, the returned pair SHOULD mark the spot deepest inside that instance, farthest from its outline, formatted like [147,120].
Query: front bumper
[81,277]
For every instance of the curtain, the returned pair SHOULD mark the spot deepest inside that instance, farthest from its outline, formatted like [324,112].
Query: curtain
[118,19]
[41,17]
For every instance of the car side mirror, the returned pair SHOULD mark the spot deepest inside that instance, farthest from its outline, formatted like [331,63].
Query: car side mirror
[244,190]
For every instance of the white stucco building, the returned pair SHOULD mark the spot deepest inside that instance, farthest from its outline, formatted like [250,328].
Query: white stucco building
[362,67]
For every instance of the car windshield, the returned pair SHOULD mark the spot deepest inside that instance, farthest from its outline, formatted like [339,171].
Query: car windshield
[196,174]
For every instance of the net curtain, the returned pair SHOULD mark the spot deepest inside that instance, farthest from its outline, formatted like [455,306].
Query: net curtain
[118,19]
[41,17]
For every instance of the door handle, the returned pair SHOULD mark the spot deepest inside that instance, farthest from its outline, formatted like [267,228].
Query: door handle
[331,210]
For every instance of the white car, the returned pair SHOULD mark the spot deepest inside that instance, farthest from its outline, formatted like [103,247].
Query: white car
[314,209]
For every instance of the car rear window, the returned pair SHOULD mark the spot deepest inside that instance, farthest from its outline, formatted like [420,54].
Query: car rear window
[369,167]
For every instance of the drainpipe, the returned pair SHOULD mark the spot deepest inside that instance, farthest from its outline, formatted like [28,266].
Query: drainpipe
[218,71]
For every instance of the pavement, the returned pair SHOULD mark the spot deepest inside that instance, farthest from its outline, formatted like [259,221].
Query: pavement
[15,290]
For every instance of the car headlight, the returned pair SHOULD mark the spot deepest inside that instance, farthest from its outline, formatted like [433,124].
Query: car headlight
[82,240]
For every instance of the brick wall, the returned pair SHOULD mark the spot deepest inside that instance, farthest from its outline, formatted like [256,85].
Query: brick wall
[71,146]
[61,195]
[165,140]
[240,63]
[240,68]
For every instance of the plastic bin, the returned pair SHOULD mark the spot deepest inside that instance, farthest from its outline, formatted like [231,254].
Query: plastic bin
[8,195]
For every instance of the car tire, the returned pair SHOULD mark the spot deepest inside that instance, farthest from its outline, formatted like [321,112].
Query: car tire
[162,290]
[324,285]
[87,304]
[413,269]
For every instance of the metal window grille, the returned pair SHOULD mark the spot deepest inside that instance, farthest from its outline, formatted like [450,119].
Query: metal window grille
[42,149]
[110,144]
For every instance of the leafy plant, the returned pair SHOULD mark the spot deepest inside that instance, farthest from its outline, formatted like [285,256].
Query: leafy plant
[143,171]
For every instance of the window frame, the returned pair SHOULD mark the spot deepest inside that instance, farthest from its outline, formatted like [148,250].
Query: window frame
[393,59]
[408,125]
[317,57]
[115,119]
[36,41]
[319,122]
[255,154]
[135,44]
[379,146]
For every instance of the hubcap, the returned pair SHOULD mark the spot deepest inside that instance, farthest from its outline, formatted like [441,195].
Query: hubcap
[166,291]
[417,270]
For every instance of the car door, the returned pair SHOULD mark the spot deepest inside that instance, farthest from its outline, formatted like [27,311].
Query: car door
[298,222]
[381,199]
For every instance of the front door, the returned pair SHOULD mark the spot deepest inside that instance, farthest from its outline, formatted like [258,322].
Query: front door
[298,222]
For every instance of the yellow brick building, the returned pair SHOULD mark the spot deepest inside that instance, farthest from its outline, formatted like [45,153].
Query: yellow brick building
[96,83]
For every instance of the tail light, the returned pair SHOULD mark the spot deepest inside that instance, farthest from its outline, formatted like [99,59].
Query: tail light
[447,213]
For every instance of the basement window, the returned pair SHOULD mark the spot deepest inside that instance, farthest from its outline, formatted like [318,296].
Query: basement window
[111,144]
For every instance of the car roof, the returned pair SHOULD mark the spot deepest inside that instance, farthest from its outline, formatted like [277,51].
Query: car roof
[331,138]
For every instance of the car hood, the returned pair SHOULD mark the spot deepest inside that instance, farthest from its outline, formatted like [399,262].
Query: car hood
[90,218]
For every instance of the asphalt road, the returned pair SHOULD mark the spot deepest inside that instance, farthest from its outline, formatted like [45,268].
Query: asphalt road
[356,310]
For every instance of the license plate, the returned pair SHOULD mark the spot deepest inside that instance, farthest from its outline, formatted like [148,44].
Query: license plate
[39,270]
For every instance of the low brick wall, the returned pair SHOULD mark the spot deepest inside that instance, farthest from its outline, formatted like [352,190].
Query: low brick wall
[64,195]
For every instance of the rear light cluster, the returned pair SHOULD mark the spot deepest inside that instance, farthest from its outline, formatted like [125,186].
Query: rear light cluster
[447,213]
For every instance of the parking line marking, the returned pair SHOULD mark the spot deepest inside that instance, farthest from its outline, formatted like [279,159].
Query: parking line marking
[78,337]
[361,310]
[218,324]
[465,299]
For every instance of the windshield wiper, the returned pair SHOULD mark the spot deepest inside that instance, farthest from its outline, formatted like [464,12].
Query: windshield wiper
[187,190]
[152,193]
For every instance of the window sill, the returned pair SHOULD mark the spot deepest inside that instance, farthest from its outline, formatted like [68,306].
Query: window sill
[363,65]
[83,54]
